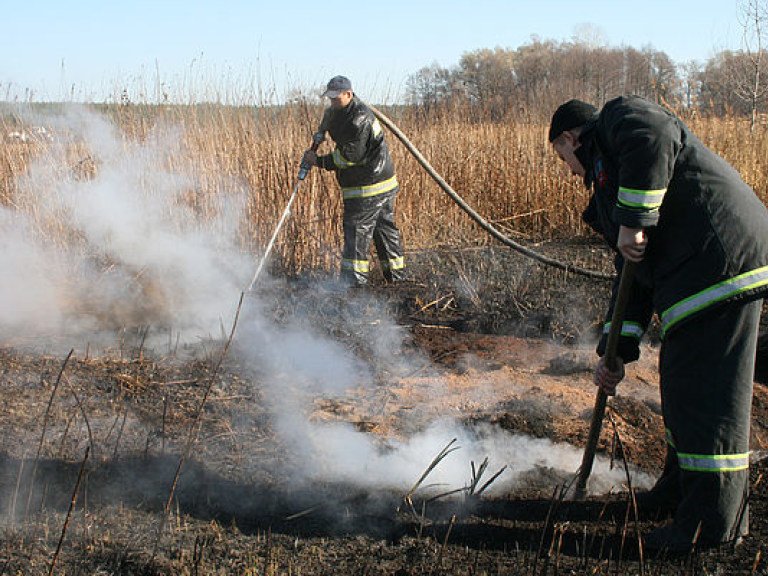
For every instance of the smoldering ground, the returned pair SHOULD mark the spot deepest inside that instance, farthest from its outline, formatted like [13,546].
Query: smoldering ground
[129,244]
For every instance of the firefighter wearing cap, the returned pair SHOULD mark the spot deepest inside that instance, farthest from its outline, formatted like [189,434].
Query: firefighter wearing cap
[700,237]
[368,183]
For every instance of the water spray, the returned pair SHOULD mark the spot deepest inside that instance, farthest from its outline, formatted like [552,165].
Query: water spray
[304,169]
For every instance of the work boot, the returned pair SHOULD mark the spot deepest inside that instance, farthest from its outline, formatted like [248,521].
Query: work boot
[671,539]
[656,503]
[662,500]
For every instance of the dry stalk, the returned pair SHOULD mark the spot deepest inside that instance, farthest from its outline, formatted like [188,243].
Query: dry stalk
[193,429]
[633,501]
[162,429]
[16,490]
[439,559]
[443,453]
[42,435]
[490,481]
[144,334]
[558,495]
[120,434]
[433,303]
[82,411]
[72,503]
[476,476]
[743,510]
[65,435]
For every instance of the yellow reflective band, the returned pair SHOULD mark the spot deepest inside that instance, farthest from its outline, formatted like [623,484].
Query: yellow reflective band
[641,199]
[372,190]
[394,263]
[713,462]
[628,329]
[356,265]
[722,291]
[340,161]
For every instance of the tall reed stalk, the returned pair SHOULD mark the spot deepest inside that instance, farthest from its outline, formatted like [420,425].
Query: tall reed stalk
[503,168]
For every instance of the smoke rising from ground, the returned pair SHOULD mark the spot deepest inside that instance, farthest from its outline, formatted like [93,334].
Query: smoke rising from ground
[298,366]
[107,235]
[115,237]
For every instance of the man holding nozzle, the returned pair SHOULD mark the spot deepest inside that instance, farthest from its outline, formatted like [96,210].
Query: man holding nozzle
[698,236]
[368,183]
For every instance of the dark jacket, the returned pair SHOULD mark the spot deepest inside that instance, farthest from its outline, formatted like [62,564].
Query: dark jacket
[707,230]
[361,158]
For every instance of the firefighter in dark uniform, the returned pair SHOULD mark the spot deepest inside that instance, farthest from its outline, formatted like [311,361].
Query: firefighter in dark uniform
[700,237]
[368,183]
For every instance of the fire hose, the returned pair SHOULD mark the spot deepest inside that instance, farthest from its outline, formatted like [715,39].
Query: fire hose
[304,169]
[487,226]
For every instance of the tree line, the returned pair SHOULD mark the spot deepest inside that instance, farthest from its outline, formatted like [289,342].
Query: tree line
[535,78]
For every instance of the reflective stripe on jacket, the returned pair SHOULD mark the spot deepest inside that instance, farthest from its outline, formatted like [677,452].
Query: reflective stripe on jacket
[707,229]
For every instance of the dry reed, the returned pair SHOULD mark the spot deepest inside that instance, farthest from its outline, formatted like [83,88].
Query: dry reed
[505,170]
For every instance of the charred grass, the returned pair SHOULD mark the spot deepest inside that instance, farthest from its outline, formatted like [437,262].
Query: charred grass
[237,508]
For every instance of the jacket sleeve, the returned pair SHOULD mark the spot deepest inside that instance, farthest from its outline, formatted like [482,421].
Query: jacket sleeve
[326,162]
[644,141]
[637,316]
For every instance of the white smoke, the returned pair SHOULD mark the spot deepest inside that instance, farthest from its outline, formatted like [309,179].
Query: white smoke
[116,238]
[298,366]
[120,238]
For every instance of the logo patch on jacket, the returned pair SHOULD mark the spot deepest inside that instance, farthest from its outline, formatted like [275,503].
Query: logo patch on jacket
[601,176]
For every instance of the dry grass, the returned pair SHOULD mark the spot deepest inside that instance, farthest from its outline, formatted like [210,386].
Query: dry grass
[505,170]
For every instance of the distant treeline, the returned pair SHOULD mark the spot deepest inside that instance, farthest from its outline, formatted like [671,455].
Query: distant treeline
[535,78]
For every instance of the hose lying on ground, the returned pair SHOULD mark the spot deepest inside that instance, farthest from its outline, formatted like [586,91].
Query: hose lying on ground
[487,226]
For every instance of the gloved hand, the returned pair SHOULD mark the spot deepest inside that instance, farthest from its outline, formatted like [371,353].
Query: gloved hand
[318,138]
[606,379]
[309,159]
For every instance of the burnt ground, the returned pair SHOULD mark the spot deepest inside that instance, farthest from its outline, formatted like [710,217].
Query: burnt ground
[156,460]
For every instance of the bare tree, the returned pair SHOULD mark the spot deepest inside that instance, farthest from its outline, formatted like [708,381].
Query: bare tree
[535,78]
[753,87]
[431,85]
[691,84]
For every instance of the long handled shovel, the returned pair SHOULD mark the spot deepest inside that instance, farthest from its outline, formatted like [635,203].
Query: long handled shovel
[304,169]
[611,347]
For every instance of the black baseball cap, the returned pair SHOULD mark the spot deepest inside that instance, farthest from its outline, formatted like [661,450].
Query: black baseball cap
[572,114]
[336,86]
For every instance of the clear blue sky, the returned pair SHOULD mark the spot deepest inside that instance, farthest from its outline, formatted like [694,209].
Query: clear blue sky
[91,49]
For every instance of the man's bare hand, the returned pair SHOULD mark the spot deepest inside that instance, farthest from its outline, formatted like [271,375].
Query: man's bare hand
[632,243]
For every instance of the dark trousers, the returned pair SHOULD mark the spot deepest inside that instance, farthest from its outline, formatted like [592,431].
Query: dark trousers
[707,369]
[367,219]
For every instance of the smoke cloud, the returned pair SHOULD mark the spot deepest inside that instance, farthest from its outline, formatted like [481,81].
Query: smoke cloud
[117,237]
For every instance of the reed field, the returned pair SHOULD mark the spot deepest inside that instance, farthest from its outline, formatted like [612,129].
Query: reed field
[505,170]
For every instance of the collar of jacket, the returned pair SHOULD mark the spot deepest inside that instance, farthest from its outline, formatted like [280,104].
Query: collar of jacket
[585,152]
